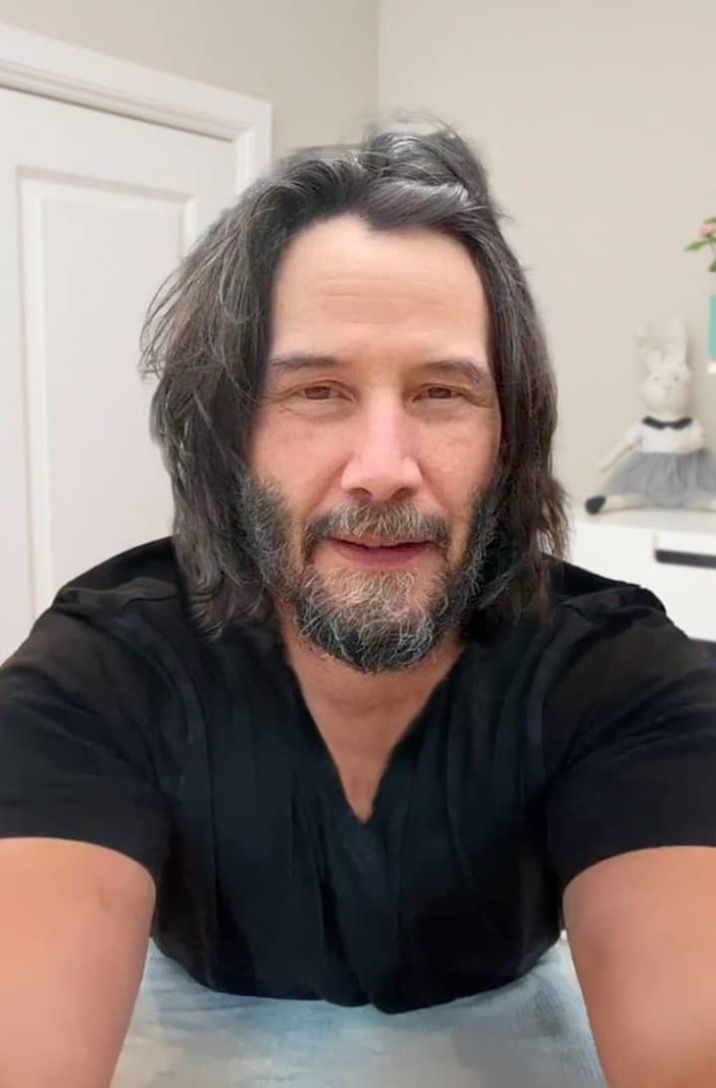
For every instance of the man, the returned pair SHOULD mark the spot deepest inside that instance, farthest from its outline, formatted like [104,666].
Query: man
[355,732]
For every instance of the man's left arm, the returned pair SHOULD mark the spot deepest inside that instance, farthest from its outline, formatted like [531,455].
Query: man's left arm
[642,930]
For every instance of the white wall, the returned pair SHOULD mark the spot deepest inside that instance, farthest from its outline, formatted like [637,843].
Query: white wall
[598,122]
[316,60]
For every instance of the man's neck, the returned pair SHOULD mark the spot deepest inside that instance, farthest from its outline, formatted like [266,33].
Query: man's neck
[358,710]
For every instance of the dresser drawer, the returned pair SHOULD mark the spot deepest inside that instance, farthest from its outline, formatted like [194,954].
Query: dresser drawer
[676,562]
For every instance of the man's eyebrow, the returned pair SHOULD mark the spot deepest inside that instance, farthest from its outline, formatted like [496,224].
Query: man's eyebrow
[476,372]
[300,360]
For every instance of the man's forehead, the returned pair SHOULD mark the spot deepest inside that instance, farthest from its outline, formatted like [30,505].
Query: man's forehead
[344,258]
[368,294]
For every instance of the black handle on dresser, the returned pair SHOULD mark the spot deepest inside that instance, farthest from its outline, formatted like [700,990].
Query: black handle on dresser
[686,559]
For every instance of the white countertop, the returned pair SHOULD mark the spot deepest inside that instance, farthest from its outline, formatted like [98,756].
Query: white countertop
[661,520]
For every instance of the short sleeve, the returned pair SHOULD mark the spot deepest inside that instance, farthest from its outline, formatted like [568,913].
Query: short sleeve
[77,753]
[630,741]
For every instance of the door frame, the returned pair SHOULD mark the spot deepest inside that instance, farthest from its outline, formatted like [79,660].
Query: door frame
[45,66]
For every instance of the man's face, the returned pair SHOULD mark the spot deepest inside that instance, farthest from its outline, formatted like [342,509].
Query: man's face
[375,441]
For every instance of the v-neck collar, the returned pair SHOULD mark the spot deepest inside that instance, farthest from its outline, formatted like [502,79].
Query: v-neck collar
[393,790]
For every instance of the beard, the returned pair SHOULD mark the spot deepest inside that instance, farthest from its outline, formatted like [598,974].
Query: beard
[374,621]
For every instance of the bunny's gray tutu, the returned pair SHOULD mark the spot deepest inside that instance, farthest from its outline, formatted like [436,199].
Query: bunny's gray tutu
[665,479]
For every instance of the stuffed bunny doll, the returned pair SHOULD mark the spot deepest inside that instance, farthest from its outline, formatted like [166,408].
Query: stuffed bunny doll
[667,463]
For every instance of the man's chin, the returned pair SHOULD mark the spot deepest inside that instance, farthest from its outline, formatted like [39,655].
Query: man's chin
[390,649]
[376,609]
[374,635]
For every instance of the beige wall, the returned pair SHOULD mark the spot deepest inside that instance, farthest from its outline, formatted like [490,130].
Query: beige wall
[598,122]
[315,60]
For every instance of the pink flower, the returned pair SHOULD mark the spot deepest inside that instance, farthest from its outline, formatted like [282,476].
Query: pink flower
[707,230]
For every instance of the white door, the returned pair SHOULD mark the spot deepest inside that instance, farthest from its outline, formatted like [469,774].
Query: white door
[95,209]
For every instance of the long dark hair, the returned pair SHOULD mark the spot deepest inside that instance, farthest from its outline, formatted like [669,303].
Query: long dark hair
[206,338]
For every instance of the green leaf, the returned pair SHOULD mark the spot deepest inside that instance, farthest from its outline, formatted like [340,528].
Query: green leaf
[712,266]
[695,245]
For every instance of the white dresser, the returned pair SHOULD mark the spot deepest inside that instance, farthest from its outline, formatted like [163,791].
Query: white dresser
[671,552]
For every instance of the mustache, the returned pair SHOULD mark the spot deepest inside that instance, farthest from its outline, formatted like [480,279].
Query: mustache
[388,524]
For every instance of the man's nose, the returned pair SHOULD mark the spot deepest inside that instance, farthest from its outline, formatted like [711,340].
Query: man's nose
[383,461]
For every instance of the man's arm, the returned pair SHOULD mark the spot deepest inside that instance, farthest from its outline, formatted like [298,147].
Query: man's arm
[74,929]
[642,929]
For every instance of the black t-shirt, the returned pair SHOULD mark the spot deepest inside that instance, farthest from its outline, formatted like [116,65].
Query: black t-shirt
[544,750]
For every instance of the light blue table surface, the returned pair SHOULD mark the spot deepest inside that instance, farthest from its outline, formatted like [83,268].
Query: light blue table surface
[532,1033]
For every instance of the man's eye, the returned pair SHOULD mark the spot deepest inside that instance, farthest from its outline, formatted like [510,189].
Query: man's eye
[442,392]
[317,392]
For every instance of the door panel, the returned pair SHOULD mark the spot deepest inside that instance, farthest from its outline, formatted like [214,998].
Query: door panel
[95,209]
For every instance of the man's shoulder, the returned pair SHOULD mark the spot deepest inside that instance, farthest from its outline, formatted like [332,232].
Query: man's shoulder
[141,597]
[147,571]
[590,594]
[579,600]
[142,586]
[109,638]
[612,642]
[590,620]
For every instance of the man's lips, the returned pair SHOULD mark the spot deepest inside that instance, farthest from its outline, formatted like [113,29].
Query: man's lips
[379,554]
[376,542]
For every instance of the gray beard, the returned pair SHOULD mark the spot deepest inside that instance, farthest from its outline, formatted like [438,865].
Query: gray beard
[367,619]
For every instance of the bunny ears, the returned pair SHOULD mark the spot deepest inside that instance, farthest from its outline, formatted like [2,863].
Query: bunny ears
[657,351]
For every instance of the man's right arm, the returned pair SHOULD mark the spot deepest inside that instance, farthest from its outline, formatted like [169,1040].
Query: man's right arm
[74,929]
